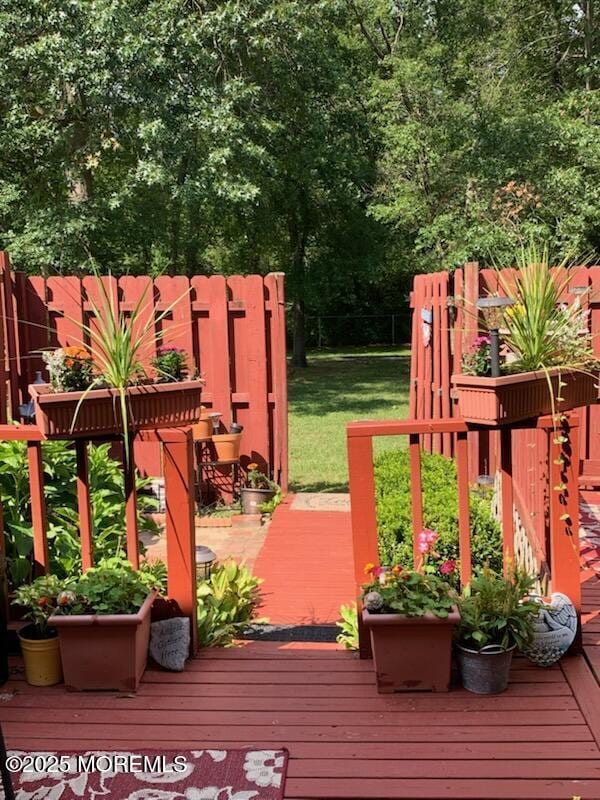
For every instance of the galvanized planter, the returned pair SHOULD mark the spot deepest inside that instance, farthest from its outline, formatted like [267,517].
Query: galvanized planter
[252,499]
[485,671]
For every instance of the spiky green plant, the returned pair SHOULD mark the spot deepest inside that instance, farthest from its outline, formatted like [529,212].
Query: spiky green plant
[119,344]
[542,330]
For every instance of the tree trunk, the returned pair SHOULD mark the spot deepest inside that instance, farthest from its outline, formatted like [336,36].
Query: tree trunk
[299,343]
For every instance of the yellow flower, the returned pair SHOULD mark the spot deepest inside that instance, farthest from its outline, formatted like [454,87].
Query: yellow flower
[369,568]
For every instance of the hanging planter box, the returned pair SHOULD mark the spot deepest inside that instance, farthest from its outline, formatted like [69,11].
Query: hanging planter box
[157,405]
[411,653]
[104,651]
[524,395]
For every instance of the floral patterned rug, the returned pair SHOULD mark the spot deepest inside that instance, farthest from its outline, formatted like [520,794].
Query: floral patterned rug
[149,775]
[589,534]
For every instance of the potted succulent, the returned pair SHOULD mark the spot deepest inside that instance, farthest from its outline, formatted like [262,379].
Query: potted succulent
[103,627]
[105,390]
[496,617]
[411,615]
[259,490]
[547,365]
[39,642]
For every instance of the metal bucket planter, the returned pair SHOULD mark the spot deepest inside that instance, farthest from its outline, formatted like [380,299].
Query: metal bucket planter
[485,671]
[252,499]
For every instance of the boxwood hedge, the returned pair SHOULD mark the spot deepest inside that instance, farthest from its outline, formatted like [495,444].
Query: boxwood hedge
[440,499]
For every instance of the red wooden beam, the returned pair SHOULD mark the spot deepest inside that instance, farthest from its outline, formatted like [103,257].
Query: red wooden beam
[404,427]
[38,507]
[364,521]
[506,498]
[20,433]
[83,504]
[179,497]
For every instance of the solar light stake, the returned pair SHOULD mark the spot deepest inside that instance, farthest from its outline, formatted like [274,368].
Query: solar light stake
[493,308]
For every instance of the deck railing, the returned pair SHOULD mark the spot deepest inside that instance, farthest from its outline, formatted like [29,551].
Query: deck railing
[561,558]
[178,467]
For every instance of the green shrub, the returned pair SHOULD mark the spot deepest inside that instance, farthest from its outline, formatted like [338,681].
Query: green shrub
[348,625]
[440,511]
[227,602]
[107,502]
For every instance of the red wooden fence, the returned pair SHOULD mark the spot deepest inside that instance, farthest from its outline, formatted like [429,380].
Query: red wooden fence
[233,330]
[448,301]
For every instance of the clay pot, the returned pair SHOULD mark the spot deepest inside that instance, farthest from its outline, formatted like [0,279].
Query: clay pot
[252,499]
[227,446]
[202,430]
[105,651]
[41,658]
[156,405]
[411,653]
[525,395]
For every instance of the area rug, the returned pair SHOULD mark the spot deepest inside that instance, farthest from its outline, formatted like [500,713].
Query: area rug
[149,775]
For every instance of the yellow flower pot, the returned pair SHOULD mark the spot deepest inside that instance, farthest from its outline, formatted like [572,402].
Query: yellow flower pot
[42,661]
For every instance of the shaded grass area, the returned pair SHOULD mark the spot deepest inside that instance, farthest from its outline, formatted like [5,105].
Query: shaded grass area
[337,387]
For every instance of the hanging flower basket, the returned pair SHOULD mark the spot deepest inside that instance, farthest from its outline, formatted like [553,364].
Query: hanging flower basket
[524,395]
[156,405]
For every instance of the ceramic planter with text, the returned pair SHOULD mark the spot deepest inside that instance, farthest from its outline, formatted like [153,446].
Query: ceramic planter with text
[524,395]
[105,651]
[157,405]
[411,653]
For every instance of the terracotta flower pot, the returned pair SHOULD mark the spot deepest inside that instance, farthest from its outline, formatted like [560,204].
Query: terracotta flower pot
[525,395]
[227,446]
[252,499]
[104,651]
[41,658]
[203,429]
[411,653]
[164,405]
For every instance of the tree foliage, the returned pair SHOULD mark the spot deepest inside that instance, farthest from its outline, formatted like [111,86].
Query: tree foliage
[349,143]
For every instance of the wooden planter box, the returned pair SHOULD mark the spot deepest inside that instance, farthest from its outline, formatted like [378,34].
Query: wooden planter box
[525,395]
[158,405]
[104,651]
[411,653]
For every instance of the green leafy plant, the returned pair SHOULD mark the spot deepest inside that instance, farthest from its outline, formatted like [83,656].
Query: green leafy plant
[348,625]
[269,506]
[107,505]
[70,368]
[258,480]
[495,610]
[543,331]
[170,365]
[411,593]
[40,598]
[113,587]
[440,508]
[227,602]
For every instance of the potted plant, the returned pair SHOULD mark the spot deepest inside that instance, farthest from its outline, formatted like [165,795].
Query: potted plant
[104,627]
[105,390]
[496,617]
[259,490]
[39,642]
[411,615]
[548,364]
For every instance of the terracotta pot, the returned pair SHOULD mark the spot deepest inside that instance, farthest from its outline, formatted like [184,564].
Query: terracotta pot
[525,395]
[411,653]
[41,658]
[202,430]
[105,651]
[163,405]
[252,499]
[227,446]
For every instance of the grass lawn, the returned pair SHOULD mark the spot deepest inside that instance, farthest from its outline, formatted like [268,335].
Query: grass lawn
[340,386]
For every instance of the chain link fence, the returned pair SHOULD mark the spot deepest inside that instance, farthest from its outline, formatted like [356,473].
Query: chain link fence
[338,330]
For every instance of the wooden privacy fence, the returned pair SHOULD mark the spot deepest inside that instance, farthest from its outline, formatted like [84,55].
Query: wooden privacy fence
[560,560]
[233,330]
[444,326]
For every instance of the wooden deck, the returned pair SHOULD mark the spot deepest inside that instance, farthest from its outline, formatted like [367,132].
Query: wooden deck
[538,741]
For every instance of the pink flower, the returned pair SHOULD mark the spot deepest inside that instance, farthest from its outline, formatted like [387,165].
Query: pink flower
[481,340]
[448,567]
[426,539]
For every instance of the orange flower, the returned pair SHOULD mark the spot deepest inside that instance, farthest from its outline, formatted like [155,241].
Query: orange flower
[397,569]
[73,354]
[369,568]
[252,466]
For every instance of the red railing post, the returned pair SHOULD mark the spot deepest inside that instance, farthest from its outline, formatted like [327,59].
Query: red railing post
[38,507]
[506,498]
[563,448]
[363,519]
[83,505]
[179,498]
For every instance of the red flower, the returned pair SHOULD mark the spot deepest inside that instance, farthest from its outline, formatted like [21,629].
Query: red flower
[448,567]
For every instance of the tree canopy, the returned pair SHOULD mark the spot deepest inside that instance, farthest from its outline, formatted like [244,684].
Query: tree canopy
[349,143]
